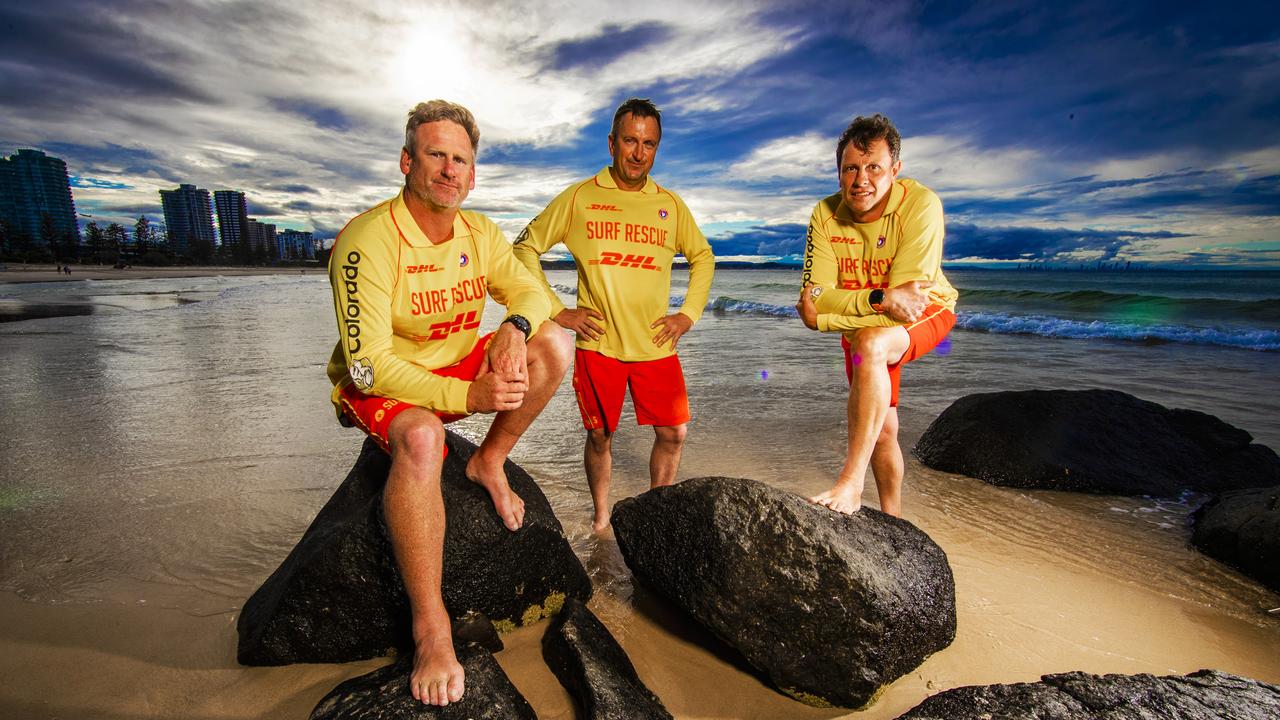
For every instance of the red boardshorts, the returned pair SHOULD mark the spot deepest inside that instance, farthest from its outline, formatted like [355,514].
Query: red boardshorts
[373,414]
[925,335]
[657,390]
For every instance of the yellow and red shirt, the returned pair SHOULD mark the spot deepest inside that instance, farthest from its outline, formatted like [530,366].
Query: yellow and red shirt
[623,244]
[406,306]
[848,259]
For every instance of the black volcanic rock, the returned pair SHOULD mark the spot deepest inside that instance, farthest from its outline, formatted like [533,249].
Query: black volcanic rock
[1242,529]
[338,596]
[594,668]
[830,607]
[384,694]
[1202,695]
[1096,441]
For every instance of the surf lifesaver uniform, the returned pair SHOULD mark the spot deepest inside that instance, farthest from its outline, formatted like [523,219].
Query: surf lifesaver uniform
[846,260]
[624,244]
[409,312]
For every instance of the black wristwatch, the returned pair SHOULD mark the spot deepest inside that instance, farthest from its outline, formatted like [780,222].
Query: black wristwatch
[876,297]
[521,323]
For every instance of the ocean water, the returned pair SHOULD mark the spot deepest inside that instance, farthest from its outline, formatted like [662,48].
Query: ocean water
[166,442]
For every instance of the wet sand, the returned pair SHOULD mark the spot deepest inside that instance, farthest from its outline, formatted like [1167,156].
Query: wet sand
[134,523]
[1020,615]
[17,273]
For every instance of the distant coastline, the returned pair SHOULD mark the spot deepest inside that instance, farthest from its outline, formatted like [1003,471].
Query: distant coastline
[46,273]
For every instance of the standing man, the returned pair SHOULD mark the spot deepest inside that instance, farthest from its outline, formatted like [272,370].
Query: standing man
[624,231]
[873,271]
[409,283]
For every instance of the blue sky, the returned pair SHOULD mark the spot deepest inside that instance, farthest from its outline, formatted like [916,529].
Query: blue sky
[1067,132]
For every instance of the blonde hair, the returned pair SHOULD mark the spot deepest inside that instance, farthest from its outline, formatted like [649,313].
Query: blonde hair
[435,111]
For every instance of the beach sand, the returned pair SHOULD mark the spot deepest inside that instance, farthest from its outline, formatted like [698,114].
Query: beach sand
[1020,615]
[18,273]
[136,522]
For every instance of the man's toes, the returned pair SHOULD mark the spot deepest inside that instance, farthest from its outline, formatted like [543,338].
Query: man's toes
[442,693]
[455,687]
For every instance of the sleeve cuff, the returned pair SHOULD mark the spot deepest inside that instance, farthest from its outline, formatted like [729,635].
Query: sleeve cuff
[456,395]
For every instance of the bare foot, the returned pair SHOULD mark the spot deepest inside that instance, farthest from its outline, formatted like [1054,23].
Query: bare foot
[843,498]
[437,677]
[509,505]
[601,522]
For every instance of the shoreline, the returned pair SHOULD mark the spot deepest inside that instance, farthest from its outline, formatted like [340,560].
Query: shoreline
[162,465]
[45,273]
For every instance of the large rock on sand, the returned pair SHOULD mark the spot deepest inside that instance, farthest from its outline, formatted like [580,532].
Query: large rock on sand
[1096,441]
[338,595]
[384,695]
[595,669]
[830,607]
[1202,695]
[1242,529]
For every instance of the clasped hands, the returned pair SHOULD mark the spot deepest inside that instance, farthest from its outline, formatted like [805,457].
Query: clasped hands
[904,303]
[503,378]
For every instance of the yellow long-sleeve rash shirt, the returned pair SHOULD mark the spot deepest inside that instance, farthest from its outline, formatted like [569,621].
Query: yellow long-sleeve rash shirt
[849,259]
[623,244]
[406,306]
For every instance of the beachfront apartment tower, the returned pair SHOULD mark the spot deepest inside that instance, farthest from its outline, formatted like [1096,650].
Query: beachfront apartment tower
[32,186]
[296,245]
[262,239]
[233,220]
[188,217]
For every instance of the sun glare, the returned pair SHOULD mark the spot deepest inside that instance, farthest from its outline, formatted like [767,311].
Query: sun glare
[435,61]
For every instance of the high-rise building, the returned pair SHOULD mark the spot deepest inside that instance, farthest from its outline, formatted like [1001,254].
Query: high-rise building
[188,217]
[233,218]
[296,245]
[33,185]
[262,237]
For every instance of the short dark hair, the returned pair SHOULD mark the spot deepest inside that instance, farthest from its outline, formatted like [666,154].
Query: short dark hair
[865,130]
[638,107]
[435,111]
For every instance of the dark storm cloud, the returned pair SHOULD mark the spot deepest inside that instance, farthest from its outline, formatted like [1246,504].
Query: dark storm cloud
[611,43]
[963,241]
[322,116]
[1084,80]
[54,49]
[1219,192]
[261,209]
[1027,243]
[781,239]
[295,189]
[306,206]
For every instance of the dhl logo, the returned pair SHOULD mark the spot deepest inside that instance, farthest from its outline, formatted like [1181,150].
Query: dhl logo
[422,269]
[608,208]
[644,262]
[462,321]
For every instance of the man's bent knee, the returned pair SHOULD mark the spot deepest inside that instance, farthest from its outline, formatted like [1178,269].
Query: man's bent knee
[671,434]
[552,345]
[416,434]
[882,345]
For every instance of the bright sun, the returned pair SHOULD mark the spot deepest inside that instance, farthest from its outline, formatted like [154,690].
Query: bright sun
[435,61]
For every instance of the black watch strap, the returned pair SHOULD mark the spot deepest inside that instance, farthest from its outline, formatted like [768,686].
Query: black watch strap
[521,323]
[876,297]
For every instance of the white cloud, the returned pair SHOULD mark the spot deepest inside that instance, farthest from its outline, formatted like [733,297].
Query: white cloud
[798,157]
[959,164]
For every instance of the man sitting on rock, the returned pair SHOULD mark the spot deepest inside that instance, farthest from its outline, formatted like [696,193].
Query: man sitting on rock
[873,271]
[410,278]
